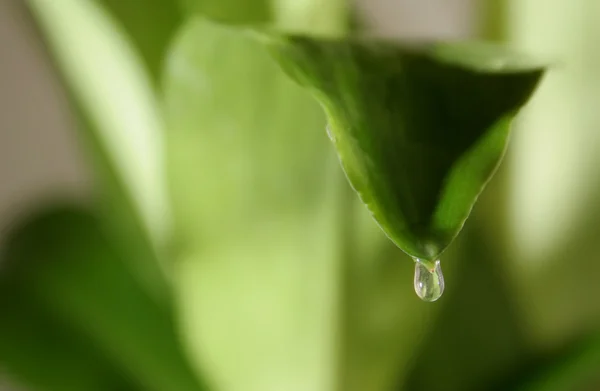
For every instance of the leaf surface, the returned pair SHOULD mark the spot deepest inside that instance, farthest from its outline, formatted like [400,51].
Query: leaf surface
[284,281]
[419,128]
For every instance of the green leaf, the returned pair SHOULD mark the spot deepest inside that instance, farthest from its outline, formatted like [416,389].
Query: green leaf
[41,352]
[284,281]
[419,129]
[233,11]
[64,262]
[121,124]
[150,25]
[576,370]
[111,84]
[328,17]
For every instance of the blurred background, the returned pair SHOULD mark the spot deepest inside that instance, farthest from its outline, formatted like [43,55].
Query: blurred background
[173,216]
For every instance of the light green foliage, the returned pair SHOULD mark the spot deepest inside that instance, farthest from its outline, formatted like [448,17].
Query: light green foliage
[248,12]
[273,242]
[121,124]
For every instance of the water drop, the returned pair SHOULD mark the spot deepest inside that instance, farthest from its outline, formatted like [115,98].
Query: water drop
[330,133]
[429,280]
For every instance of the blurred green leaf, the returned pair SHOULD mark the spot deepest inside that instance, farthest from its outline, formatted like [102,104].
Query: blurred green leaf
[478,337]
[329,17]
[284,282]
[316,16]
[150,25]
[64,261]
[40,352]
[577,370]
[233,11]
[419,129]
[121,123]
[106,76]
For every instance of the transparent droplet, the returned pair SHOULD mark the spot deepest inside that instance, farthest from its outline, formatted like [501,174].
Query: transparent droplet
[330,133]
[429,280]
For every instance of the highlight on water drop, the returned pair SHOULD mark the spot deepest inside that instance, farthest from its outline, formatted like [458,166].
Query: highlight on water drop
[429,280]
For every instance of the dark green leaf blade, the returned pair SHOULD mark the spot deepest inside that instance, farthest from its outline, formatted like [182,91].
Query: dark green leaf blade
[419,129]
[41,352]
[64,261]
[150,24]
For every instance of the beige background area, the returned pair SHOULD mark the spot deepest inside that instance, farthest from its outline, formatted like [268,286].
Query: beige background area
[39,156]
[38,153]
[429,19]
